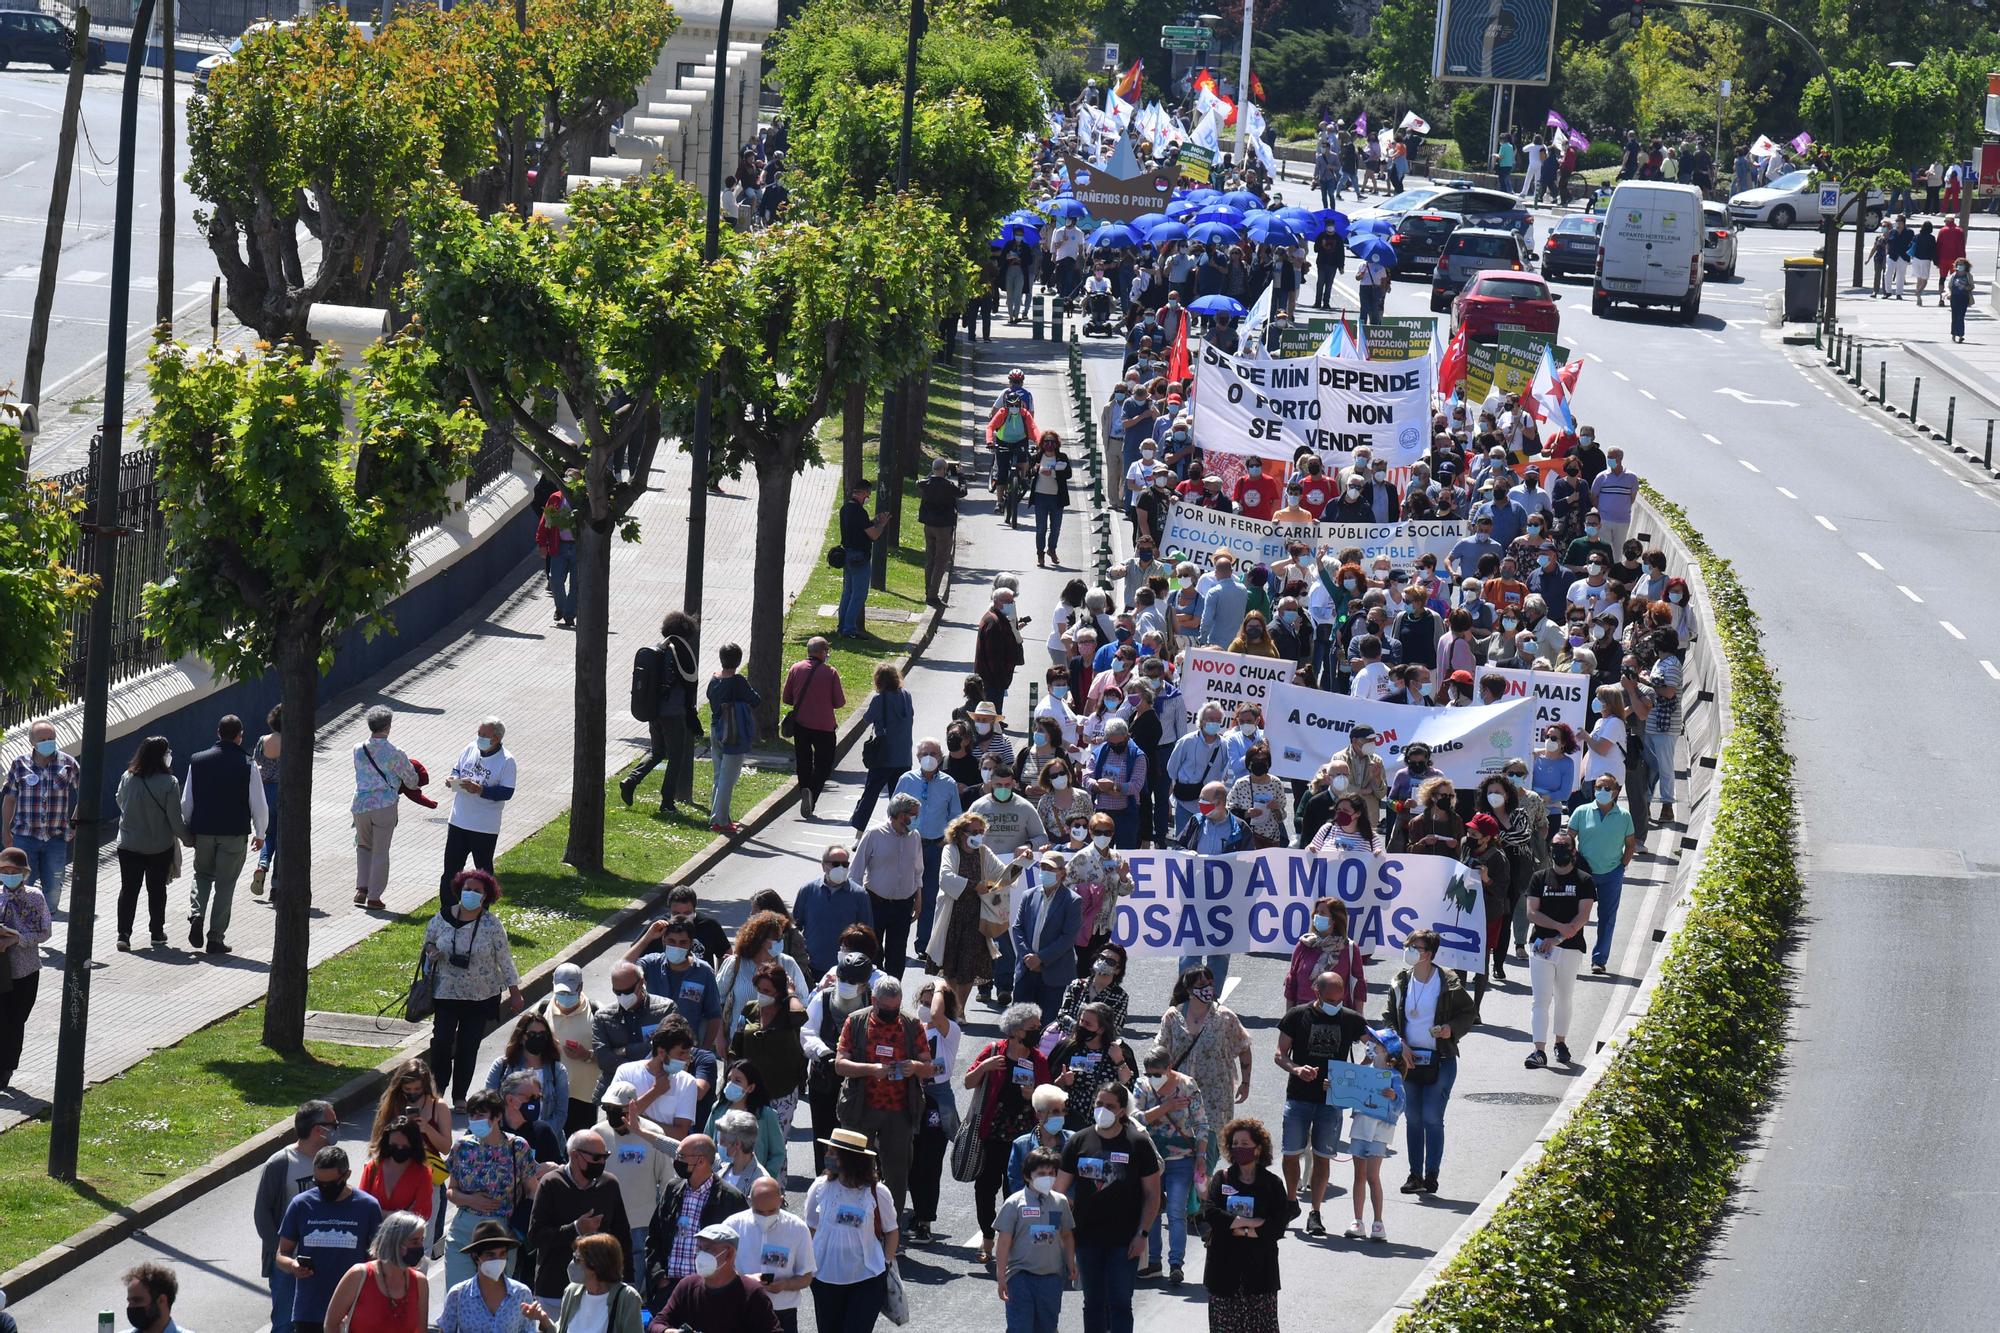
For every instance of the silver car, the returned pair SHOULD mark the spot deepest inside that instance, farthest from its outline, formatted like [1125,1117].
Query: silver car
[1471,250]
[1718,241]
[1794,197]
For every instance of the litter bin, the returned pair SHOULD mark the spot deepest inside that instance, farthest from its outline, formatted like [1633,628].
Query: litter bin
[1804,280]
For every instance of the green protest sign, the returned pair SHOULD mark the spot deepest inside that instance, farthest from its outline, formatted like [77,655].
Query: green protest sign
[1400,337]
[1301,338]
[1516,357]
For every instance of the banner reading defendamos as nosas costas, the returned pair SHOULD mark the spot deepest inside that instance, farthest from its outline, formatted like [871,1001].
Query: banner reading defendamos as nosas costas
[1186,903]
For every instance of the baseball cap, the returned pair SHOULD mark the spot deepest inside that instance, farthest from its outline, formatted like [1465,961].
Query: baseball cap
[717,1234]
[1461,677]
[568,981]
[853,968]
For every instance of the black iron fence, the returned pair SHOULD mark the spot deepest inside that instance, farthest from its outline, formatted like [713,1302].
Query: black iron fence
[142,559]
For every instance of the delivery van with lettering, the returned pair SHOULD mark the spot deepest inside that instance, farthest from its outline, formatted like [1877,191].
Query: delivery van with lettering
[1650,250]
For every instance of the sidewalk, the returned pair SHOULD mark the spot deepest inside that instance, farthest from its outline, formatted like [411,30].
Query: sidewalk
[502,657]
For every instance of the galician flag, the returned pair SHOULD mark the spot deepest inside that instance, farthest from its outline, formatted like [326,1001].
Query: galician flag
[1345,342]
[1413,121]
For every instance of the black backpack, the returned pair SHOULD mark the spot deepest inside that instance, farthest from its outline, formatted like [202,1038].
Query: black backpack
[646,684]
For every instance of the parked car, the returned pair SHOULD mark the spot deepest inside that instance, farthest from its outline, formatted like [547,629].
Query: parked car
[1571,246]
[1650,252]
[1501,301]
[1421,231]
[1471,250]
[1718,241]
[30,38]
[1794,197]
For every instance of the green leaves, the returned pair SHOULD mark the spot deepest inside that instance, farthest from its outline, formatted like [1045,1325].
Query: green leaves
[281,523]
[1896,118]
[38,592]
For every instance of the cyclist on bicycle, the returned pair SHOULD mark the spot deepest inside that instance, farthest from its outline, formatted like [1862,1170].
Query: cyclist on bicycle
[1016,384]
[1009,431]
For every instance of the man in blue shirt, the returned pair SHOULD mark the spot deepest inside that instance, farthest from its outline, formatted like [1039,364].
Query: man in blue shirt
[938,803]
[1466,551]
[1223,604]
[827,906]
[1509,516]
[1213,833]
[665,955]
[326,1231]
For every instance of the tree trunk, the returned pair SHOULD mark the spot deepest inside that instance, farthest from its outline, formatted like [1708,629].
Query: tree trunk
[853,433]
[45,282]
[165,286]
[767,598]
[291,891]
[585,849]
[919,413]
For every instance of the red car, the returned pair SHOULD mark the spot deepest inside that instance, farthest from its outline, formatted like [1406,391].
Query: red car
[1502,301]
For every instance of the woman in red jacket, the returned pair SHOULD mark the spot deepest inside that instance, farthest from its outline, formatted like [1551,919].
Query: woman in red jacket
[1326,948]
[397,1173]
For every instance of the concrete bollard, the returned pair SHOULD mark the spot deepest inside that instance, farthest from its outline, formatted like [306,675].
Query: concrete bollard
[347,329]
[617,168]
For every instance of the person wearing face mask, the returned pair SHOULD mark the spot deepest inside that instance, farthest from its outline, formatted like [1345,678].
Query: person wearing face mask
[150,1293]
[1214,832]
[1326,948]
[1035,1248]
[666,959]
[1589,547]
[1365,769]
[828,905]
[989,726]
[1259,799]
[1013,1099]
[997,652]
[1606,844]
[696,1198]
[774,1250]
[844,993]
[595,1297]
[855,1236]
[1312,1036]
[1612,492]
[532,1045]
[325,1231]
[1100,878]
[1236,742]
[1056,705]
[1111,1172]
[150,828]
[1559,906]
[285,1175]
[640,1163]
[884,1057]
[622,1028]
[472,963]
[716,1295]
[389,1292]
[576,1201]
[759,941]
[1118,781]
[888,865]
[24,927]
[1174,1112]
[1046,926]
[1431,1011]
[1431,825]
[1483,853]
[568,1014]
[973,887]
[1605,748]
[489,1301]
[735,1133]
[668,1091]
[396,1174]
[1554,777]
[1049,493]
[38,808]
[481,781]
[1328,788]
[769,1037]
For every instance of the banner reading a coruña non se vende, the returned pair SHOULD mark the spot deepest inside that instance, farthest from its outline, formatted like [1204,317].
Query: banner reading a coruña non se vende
[1270,407]
[1307,727]
[1201,532]
[1242,902]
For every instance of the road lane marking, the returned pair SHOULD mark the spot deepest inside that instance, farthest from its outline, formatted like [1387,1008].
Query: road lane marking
[1672,413]
[1594,356]
[1952,630]
[1991,670]
[1752,466]
[18,170]
[1710,438]
[1904,589]
[86,275]
[1823,521]
[1622,375]
[1871,561]
[1227,987]
[1647,394]
[1787,494]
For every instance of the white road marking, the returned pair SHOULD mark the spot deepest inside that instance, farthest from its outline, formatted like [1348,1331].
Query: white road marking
[1991,670]
[1594,356]
[1952,630]
[1747,463]
[85,275]
[1227,987]
[18,170]
[1870,561]
[1622,375]
[1825,522]
[1787,494]
[1675,415]
[1904,589]
[1746,399]
[1710,438]
[1647,394]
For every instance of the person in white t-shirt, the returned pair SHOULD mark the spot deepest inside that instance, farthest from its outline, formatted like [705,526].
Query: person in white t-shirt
[1604,751]
[775,1250]
[481,780]
[662,1089]
[854,1227]
[1371,678]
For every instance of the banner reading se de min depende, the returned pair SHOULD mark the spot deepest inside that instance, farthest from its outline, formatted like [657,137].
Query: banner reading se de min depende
[1185,903]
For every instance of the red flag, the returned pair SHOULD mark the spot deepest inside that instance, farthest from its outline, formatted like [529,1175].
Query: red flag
[1256,86]
[1177,360]
[1127,86]
[1205,78]
[1451,367]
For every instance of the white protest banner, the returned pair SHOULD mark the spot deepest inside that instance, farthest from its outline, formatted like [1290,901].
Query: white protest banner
[1404,543]
[1307,727]
[1384,405]
[1254,407]
[1201,532]
[1207,676]
[1186,903]
[1560,696]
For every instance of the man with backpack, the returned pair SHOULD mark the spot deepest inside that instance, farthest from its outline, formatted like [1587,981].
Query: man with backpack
[663,697]
[732,712]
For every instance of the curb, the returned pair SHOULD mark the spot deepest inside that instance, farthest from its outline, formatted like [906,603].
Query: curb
[71,1253]
[1693,843]
[1868,395]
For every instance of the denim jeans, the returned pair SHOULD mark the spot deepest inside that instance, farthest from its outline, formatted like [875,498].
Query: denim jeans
[1125,827]
[1216,963]
[562,580]
[1660,754]
[48,858]
[1108,1278]
[1048,521]
[1425,1135]
[727,767]
[853,592]
[270,847]
[1176,1179]
[283,1287]
[1034,1302]
[1610,888]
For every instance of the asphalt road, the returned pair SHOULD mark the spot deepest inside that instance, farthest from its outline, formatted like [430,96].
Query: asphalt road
[30,116]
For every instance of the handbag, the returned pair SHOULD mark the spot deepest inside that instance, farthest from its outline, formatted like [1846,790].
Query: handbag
[788,725]
[420,1002]
[968,1145]
[875,751]
[895,1302]
[836,557]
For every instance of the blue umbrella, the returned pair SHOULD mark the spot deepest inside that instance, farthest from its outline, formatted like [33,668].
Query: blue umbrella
[1218,213]
[1066,208]
[1161,232]
[1116,235]
[1372,226]
[1145,222]
[1182,208]
[1335,219]
[1214,233]
[1373,250]
[1242,199]
[1257,215]
[1218,305]
[1012,231]
[1273,232]
[1204,196]
[1023,217]
[1303,221]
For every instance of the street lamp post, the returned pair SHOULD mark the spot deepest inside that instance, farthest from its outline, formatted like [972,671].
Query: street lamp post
[66,1123]
[704,403]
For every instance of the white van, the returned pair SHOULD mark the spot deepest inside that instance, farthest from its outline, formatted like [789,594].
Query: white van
[1650,250]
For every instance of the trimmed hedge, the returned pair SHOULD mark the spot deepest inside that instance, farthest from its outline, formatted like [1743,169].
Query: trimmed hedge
[1602,1231]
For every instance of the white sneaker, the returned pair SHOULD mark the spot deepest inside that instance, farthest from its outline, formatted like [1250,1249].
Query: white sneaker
[1354,1231]
[1376,1232]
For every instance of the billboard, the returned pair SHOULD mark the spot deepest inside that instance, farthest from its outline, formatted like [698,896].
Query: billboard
[1494,41]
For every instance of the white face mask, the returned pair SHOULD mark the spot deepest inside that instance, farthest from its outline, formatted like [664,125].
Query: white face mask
[1104,1119]
[1156,1081]
[767,1220]
[1100,840]
[849,990]
[1411,954]
[1339,782]
[923,1013]
[706,1264]
[836,874]
[975,840]
[928,763]
[492,1269]
[1496,799]
[628,999]
[1044,1184]
[1059,783]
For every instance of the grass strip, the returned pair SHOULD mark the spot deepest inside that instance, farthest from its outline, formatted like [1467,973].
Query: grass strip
[1603,1231]
[184,1104]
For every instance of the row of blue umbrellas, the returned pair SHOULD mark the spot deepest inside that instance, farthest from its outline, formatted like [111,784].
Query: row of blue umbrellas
[1210,217]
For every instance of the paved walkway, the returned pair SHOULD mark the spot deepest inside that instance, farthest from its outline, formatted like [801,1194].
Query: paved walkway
[503,657]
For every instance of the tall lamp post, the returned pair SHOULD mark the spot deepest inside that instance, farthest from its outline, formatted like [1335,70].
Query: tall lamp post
[66,1125]
[704,403]
[1830,278]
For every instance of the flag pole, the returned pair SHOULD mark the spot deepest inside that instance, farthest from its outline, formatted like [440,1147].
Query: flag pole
[1243,81]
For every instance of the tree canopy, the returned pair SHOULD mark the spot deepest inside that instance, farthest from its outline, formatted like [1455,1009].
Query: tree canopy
[38,591]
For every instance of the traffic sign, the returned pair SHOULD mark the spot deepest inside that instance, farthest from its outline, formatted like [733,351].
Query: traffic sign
[1829,196]
[1186,37]
[1111,55]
